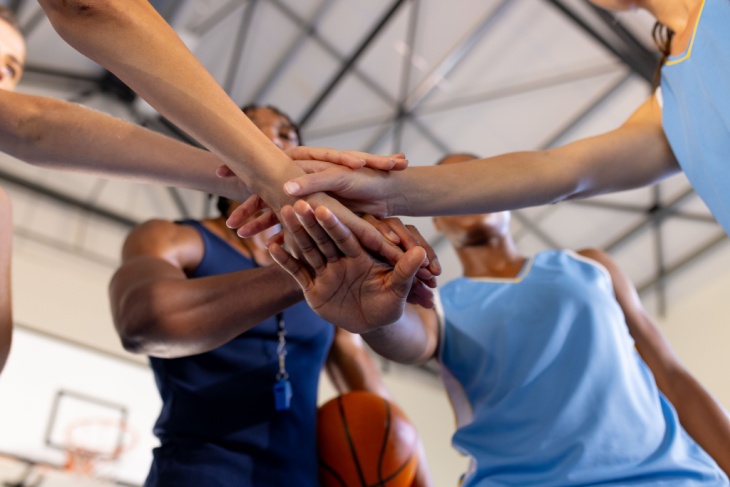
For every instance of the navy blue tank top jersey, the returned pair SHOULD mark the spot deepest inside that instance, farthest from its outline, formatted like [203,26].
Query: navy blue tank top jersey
[219,425]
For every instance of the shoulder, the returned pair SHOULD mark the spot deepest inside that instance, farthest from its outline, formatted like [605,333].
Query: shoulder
[178,243]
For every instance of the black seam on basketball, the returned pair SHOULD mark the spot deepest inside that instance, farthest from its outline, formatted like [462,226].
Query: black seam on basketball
[333,472]
[384,445]
[349,441]
[400,469]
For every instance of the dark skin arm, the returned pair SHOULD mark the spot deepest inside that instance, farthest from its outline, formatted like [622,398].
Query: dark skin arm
[159,311]
[6,316]
[700,414]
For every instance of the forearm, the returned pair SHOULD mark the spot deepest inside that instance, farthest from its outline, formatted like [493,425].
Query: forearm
[6,315]
[700,414]
[130,39]
[59,135]
[410,340]
[485,185]
[351,368]
[179,317]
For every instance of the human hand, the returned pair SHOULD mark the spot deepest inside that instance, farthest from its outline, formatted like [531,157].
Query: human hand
[405,236]
[320,158]
[341,281]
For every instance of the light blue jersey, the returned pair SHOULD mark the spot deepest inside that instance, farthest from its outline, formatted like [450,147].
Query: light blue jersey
[696,112]
[548,388]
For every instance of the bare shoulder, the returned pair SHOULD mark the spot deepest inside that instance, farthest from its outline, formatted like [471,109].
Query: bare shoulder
[179,244]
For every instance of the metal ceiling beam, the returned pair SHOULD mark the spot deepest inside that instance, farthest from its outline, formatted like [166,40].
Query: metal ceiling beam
[642,210]
[443,68]
[67,200]
[168,9]
[455,57]
[295,47]
[655,214]
[407,69]
[15,5]
[328,47]
[710,245]
[636,49]
[637,65]
[207,24]
[587,111]
[238,46]
[350,62]
[514,90]
[33,22]
[522,88]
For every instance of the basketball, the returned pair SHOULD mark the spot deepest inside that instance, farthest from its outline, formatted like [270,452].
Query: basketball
[365,440]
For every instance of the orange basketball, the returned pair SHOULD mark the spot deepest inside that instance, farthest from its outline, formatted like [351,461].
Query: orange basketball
[365,441]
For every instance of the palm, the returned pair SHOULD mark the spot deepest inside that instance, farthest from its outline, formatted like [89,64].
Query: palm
[356,294]
[340,280]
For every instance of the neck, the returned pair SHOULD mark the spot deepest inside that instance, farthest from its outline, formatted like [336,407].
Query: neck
[498,257]
[252,247]
[673,13]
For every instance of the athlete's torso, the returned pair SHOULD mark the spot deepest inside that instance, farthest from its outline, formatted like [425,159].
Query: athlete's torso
[218,416]
[696,111]
[548,388]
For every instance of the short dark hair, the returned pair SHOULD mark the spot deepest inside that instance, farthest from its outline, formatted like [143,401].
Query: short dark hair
[223,204]
[9,16]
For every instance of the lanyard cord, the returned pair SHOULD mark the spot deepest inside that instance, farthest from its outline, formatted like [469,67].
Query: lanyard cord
[280,326]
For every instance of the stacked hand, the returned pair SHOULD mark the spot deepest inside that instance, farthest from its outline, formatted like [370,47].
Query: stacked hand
[341,281]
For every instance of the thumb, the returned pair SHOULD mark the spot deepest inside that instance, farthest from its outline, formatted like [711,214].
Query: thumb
[405,271]
[315,183]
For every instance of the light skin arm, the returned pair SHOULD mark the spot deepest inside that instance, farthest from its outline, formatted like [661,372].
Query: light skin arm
[634,155]
[159,311]
[6,315]
[133,41]
[700,414]
[59,135]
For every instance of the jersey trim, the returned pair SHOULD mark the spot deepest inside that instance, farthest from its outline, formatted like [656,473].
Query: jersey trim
[671,61]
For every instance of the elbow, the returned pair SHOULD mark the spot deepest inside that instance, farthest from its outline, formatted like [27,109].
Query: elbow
[137,319]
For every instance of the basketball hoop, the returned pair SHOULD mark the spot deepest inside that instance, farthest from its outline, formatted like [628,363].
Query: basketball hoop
[93,441]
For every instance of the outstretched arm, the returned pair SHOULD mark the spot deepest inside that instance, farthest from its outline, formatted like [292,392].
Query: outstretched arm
[59,135]
[133,41]
[700,414]
[159,311]
[634,155]
[6,315]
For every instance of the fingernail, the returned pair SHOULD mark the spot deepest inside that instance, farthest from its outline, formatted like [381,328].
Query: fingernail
[291,187]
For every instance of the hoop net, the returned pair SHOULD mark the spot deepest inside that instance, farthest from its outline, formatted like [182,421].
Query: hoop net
[96,441]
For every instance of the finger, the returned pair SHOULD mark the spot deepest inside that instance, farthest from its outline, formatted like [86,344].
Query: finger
[404,272]
[433,261]
[245,210]
[408,239]
[291,265]
[317,233]
[343,158]
[339,234]
[277,238]
[420,295]
[400,162]
[368,236]
[308,251]
[329,180]
[224,172]
[264,221]
[383,228]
